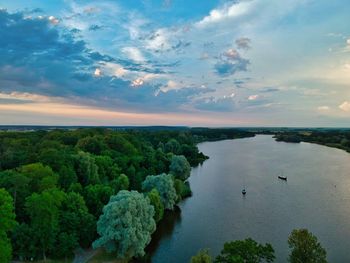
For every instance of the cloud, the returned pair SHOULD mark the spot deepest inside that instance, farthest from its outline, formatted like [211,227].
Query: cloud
[95,27]
[345,106]
[223,104]
[243,43]
[134,54]
[253,97]
[97,72]
[53,20]
[231,62]
[323,108]
[228,11]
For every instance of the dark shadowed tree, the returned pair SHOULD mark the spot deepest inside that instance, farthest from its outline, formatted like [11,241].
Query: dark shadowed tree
[248,250]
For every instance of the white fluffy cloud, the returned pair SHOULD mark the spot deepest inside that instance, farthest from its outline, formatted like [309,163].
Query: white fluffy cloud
[226,12]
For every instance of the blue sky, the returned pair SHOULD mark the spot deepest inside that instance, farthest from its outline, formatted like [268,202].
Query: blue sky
[175,62]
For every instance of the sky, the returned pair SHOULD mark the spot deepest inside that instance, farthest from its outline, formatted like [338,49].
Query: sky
[175,62]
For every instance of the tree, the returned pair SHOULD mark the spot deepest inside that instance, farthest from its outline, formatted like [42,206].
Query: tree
[305,248]
[94,144]
[17,185]
[155,200]
[86,168]
[120,183]
[165,187]
[126,224]
[180,167]
[43,210]
[41,177]
[203,256]
[96,197]
[247,250]
[76,220]
[7,223]
[66,243]
[172,146]
[183,189]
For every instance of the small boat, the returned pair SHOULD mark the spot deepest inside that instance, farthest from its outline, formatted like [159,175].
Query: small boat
[244,192]
[282,177]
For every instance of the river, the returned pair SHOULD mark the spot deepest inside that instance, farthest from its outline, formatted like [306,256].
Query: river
[316,196]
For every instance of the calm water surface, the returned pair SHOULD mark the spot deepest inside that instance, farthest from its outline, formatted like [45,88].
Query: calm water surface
[316,196]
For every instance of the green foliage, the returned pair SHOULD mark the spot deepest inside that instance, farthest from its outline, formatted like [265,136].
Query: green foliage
[247,250]
[120,183]
[203,256]
[183,190]
[164,184]
[7,223]
[40,177]
[172,146]
[86,169]
[17,185]
[126,224]
[76,220]
[43,210]
[180,167]
[96,197]
[24,246]
[66,242]
[155,200]
[92,144]
[5,249]
[305,248]
[88,165]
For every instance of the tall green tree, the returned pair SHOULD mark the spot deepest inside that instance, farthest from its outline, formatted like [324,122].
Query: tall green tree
[305,248]
[126,224]
[164,184]
[43,210]
[248,250]
[180,167]
[76,221]
[7,223]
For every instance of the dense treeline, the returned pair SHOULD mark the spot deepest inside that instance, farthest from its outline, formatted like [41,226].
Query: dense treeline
[66,188]
[305,248]
[332,138]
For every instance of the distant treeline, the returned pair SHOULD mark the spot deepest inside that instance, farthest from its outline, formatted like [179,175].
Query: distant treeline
[55,185]
[332,138]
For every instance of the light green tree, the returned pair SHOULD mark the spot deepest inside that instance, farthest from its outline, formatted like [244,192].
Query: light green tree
[7,223]
[126,224]
[203,256]
[155,200]
[164,184]
[180,167]
[305,248]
